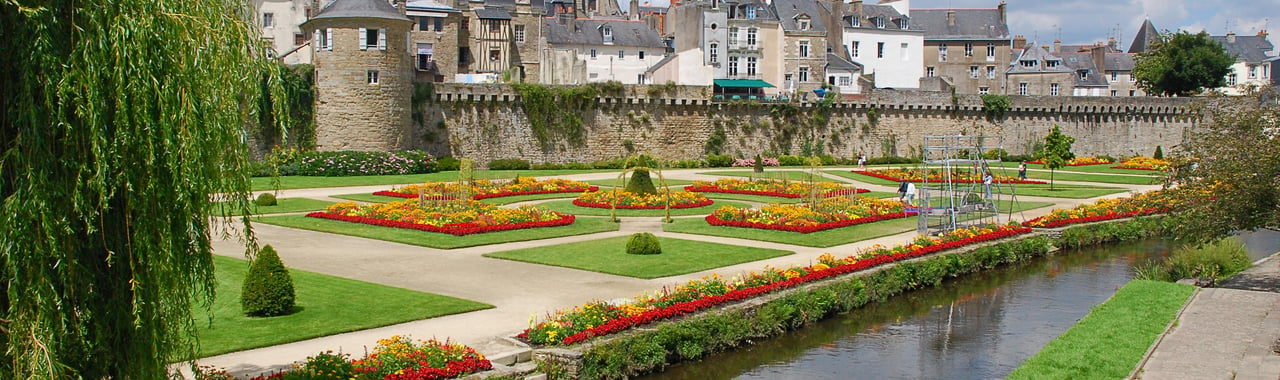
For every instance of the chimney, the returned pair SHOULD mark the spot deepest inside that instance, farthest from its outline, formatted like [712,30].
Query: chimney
[856,8]
[1231,37]
[1115,46]
[951,18]
[1003,9]
[1057,46]
[1019,42]
[1262,33]
[634,10]
[1099,58]
[565,19]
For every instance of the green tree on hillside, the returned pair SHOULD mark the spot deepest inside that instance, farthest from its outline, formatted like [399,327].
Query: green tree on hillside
[122,128]
[1057,151]
[1182,64]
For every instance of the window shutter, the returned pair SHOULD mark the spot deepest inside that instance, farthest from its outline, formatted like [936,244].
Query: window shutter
[364,39]
[328,38]
[316,41]
[382,39]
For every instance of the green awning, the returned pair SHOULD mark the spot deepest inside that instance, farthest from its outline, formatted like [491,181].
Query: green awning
[742,83]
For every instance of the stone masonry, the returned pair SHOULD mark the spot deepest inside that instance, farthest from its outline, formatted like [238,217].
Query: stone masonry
[351,113]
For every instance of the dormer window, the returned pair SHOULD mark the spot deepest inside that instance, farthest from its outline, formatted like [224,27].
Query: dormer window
[802,24]
[1028,63]
[751,12]
[608,34]
[879,22]
[1084,74]
[855,21]
[904,23]
[1052,63]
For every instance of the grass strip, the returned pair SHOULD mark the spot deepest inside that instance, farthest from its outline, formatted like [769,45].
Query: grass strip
[567,207]
[613,181]
[582,226]
[792,175]
[1109,342]
[286,205]
[820,239]
[326,305]
[609,256]
[308,182]
[1035,175]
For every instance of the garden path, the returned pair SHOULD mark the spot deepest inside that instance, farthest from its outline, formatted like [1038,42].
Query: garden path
[517,290]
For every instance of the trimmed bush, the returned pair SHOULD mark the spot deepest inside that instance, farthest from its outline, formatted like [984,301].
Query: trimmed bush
[609,164]
[719,160]
[786,160]
[268,289]
[448,163]
[758,166]
[509,164]
[640,183]
[265,199]
[643,243]
[1159,155]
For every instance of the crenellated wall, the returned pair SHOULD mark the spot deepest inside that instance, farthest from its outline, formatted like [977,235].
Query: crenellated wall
[486,122]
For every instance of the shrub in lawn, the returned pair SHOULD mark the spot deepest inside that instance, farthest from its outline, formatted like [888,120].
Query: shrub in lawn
[641,183]
[265,199]
[509,164]
[1159,155]
[268,289]
[643,243]
[448,163]
[719,160]
[786,160]
[759,165]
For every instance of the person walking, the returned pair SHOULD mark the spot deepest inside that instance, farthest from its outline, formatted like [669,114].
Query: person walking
[862,161]
[986,183]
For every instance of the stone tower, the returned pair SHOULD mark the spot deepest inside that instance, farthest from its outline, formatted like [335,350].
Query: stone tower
[364,76]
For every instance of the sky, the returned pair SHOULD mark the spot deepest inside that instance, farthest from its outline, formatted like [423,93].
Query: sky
[1089,21]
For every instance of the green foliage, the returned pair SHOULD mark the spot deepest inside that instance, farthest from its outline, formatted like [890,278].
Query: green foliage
[998,153]
[1218,260]
[115,135]
[1182,64]
[509,164]
[758,166]
[1099,233]
[715,143]
[268,288]
[719,160]
[699,335]
[787,160]
[347,163]
[447,164]
[1159,154]
[873,117]
[323,366]
[640,183]
[555,112]
[1057,151]
[641,160]
[995,106]
[892,160]
[643,243]
[265,199]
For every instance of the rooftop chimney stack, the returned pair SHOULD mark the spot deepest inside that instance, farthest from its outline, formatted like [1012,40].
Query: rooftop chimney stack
[1111,41]
[1262,33]
[1019,42]
[1231,37]
[856,8]
[951,18]
[1003,8]
[1057,46]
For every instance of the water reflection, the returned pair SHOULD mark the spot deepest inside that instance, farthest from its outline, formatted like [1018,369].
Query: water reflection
[979,327]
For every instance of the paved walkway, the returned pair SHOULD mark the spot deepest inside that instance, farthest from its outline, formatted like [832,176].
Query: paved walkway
[517,290]
[1230,332]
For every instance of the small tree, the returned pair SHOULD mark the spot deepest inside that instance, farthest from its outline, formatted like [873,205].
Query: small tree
[1182,64]
[1159,155]
[1057,151]
[268,289]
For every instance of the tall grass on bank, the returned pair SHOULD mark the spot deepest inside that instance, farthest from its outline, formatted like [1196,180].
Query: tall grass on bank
[1218,260]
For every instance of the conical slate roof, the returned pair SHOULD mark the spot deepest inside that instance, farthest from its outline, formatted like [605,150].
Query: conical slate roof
[1147,34]
[360,9]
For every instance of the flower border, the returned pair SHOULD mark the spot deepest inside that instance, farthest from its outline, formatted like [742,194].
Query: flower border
[717,189]
[1037,162]
[580,203]
[456,229]
[713,220]
[494,195]
[896,179]
[1096,218]
[685,308]
[1121,166]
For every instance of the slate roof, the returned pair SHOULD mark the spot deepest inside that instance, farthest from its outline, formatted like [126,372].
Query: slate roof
[971,24]
[492,14]
[1040,55]
[763,11]
[1147,34]
[429,5]
[588,32]
[870,11]
[1251,49]
[1084,61]
[360,9]
[789,10]
[835,62]
[1120,62]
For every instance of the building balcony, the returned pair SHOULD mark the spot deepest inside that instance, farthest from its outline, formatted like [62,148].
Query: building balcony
[739,46]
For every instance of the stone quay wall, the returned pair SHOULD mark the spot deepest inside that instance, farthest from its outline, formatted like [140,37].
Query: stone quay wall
[487,122]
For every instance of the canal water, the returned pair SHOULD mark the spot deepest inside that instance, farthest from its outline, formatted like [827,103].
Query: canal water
[980,327]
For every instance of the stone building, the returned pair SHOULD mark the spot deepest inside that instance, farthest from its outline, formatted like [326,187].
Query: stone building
[738,40]
[970,48]
[804,37]
[364,75]
[599,50]
[1252,69]
[435,40]
[280,21]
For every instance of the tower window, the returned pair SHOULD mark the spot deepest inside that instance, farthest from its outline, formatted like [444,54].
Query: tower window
[373,76]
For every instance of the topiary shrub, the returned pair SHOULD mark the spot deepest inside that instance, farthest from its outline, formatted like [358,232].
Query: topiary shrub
[758,167]
[448,164]
[1159,155]
[643,243]
[640,183]
[719,160]
[509,164]
[265,199]
[268,289]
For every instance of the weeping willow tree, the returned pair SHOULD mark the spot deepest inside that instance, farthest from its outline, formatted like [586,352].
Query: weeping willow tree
[122,126]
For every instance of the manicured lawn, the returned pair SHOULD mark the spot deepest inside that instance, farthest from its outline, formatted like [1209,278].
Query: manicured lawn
[820,239]
[326,305]
[862,178]
[1031,174]
[284,205]
[613,181]
[582,226]
[751,198]
[367,197]
[609,256]
[794,175]
[1091,169]
[1109,342]
[306,182]
[1059,191]
[567,207]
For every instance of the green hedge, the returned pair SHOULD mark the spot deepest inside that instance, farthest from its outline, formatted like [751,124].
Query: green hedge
[697,336]
[1099,233]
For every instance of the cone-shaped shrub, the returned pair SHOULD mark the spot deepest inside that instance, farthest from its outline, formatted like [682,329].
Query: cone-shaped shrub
[1159,153]
[265,199]
[643,243]
[268,289]
[641,183]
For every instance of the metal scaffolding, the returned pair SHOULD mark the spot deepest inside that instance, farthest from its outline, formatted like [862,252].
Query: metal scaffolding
[953,193]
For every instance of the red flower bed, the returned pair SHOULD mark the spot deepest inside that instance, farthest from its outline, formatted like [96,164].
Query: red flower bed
[579,202]
[896,179]
[456,229]
[713,189]
[1136,168]
[1084,164]
[1098,218]
[713,220]
[494,195]
[685,308]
